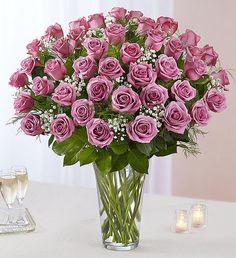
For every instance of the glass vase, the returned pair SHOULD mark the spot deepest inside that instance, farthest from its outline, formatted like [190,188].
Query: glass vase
[120,204]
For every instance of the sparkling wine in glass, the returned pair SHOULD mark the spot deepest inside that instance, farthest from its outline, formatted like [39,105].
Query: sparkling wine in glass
[8,190]
[22,186]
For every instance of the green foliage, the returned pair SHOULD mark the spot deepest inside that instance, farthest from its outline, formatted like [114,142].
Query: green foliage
[38,71]
[103,161]
[138,161]
[68,65]
[119,147]
[119,162]
[113,51]
[169,150]
[87,155]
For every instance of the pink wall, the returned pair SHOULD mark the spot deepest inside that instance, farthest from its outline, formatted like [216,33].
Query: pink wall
[213,173]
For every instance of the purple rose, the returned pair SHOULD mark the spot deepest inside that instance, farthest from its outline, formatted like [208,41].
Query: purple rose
[85,67]
[143,129]
[28,64]
[110,67]
[77,31]
[153,95]
[115,34]
[167,24]
[97,48]
[194,68]
[174,48]
[33,47]
[134,14]
[118,13]
[124,99]
[99,88]
[145,24]
[54,31]
[64,94]
[130,52]
[55,68]
[23,103]
[141,75]
[221,78]
[200,113]
[155,39]
[62,127]
[31,125]
[96,21]
[42,86]
[18,79]
[176,117]
[215,100]
[99,133]
[182,91]
[209,55]
[82,111]
[63,48]
[167,68]
[189,38]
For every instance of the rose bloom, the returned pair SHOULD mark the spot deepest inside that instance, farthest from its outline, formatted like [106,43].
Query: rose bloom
[155,39]
[194,52]
[96,21]
[189,38]
[55,68]
[167,25]
[130,52]
[54,31]
[209,55]
[200,113]
[134,14]
[194,68]
[115,34]
[118,13]
[82,111]
[174,48]
[124,99]
[31,125]
[63,48]
[33,47]
[153,95]
[23,103]
[145,24]
[85,67]
[28,64]
[42,86]
[143,129]
[62,127]
[215,100]
[221,78]
[64,94]
[99,133]
[176,117]
[167,68]
[95,47]
[18,79]
[79,23]
[110,67]
[99,88]
[182,91]
[141,75]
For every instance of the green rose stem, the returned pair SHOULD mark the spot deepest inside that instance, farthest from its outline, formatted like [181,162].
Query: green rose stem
[120,196]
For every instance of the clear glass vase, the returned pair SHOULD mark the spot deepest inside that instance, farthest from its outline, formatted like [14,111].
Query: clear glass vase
[120,204]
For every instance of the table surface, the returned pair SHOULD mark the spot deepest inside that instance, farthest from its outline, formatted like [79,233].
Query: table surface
[68,227]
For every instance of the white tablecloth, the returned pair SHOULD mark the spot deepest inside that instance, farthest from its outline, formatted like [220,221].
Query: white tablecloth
[68,227]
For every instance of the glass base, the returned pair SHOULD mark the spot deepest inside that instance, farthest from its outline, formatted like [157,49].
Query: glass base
[120,247]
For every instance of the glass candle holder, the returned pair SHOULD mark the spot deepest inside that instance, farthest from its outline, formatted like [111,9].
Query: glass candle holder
[181,221]
[198,215]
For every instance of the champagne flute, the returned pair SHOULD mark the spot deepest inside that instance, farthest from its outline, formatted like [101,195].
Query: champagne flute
[8,190]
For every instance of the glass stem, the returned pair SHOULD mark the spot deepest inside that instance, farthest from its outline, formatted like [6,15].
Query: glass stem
[9,217]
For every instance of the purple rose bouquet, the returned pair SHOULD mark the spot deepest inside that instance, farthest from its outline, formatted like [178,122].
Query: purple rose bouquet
[117,90]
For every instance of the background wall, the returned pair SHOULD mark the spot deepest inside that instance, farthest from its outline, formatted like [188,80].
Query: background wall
[213,173]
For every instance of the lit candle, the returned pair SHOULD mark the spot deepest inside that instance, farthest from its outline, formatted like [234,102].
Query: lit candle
[198,215]
[181,221]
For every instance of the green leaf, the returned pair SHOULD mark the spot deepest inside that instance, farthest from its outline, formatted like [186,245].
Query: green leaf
[145,148]
[50,140]
[103,161]
[87,155]
[68,65]
[119,162]
[113,51]
[37,71]
[138,161]
[180,62]
[119,147]
[170,150]
[181,137]
[82,134]
[72,157]
[160,143]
